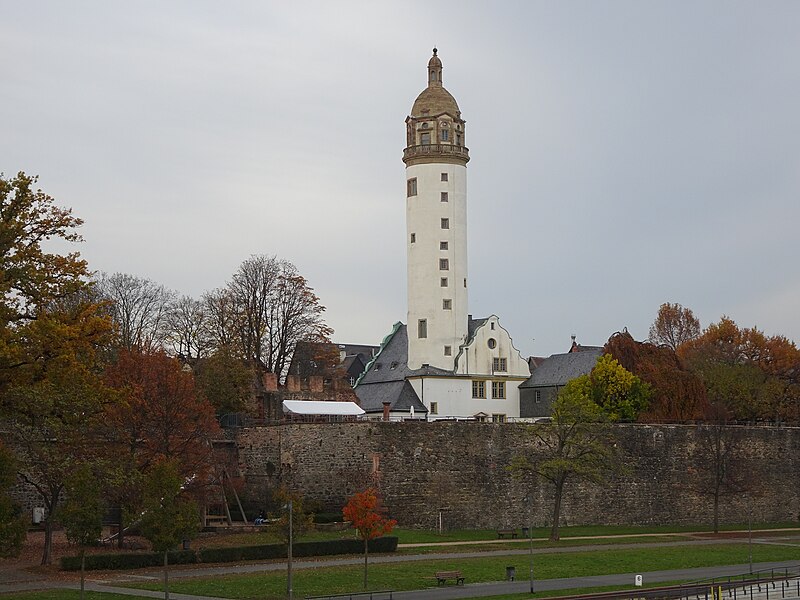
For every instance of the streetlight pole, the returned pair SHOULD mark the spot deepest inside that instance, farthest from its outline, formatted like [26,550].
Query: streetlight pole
[750,532]
[289,592]
[529,498]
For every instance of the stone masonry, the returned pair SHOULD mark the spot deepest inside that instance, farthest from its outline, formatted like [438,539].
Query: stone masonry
[462,469]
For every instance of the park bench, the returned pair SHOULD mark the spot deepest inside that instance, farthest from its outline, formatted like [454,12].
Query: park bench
[443,576]
[215,520]
[501,533]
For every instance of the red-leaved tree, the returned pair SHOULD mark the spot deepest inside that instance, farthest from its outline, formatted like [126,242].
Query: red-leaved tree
[368,516]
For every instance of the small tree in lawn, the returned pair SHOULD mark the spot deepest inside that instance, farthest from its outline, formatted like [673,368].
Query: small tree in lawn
[169,516]
[366,513]
[82,515]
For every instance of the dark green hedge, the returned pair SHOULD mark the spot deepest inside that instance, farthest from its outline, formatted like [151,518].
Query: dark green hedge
[221,555]
[127,561]
[328,517]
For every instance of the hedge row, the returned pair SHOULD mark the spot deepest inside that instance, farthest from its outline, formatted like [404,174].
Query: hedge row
[221,555]
[110,562]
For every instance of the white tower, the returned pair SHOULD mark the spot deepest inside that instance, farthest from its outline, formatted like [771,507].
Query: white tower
[436,219]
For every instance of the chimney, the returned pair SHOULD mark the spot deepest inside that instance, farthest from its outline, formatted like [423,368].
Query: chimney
[270,381]
[386,406]
[292,383]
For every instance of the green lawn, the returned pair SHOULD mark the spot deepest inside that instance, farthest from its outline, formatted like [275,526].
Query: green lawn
[414,575]
[267,535]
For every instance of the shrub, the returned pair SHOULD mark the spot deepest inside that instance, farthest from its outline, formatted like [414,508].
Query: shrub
[328,517]
[127,561]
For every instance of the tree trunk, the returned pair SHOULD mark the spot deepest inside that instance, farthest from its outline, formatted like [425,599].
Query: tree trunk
[166,575]
[48,540]
[366,553]
[559,491]
[120,531]
[83,570]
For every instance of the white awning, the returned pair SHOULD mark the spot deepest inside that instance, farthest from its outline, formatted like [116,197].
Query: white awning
[316,407]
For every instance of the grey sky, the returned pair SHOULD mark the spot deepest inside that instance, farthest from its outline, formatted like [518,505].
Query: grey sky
[624,154]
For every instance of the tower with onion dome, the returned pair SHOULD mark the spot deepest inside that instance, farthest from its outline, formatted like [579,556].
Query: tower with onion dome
[436,159]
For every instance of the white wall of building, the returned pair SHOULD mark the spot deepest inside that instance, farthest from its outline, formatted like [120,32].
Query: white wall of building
[453,397]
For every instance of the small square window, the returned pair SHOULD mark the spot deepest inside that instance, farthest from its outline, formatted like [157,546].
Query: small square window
[448,351]
[444,264]
[443,245]
[447,304]
[444,176]
[434,408]
[444,197]
[443,282]
[411,187]
[422,328]
[413,237]
[445,223]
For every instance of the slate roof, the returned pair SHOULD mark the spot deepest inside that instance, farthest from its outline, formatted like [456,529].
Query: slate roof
[558,369]
[385,378]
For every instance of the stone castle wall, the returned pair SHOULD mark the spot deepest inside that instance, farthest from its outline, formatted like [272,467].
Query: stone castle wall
[462,468]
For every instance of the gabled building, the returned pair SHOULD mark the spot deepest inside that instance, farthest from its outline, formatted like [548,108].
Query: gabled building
[539,391]
[442,362]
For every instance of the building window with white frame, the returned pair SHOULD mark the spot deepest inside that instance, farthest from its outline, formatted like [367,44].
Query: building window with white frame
[434,408]
[443,282]
[444,177]
[445,223]
[413,237]
[478,388]
[499,390]
[422,328]
[447,304]
[448,351]
[411,187]
[444,264]
[444,245]
[444,197]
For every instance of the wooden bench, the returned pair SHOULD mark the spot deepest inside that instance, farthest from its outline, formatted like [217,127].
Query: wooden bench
[212,520]
[443,576]
[501,533]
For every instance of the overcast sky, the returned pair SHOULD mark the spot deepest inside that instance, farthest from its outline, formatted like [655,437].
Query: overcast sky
[624,154]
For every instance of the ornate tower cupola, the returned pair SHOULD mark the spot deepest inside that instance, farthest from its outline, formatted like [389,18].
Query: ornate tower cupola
[436,219]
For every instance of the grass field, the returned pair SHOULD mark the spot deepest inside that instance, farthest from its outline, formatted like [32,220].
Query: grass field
[416,575]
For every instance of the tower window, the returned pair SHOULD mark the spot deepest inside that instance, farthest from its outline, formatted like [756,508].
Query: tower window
[444,197]
[411,187]
[422,328]
[443,282]
[444,264]
[448,351]
[465,282]
[444,136]
[458,139]
[479,389]
[444,176]
[443,245]
[445,223]
[447,304]
[413,237]
[425,138]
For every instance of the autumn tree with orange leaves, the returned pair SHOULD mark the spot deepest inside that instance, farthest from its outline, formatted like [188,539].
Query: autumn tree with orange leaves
[367,514]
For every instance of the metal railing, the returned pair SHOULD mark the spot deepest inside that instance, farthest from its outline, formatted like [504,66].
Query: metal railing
[436,149]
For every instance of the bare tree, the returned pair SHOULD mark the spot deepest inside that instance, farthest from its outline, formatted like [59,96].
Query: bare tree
[187,328]
[266,308]
[674,325]
[139,308]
